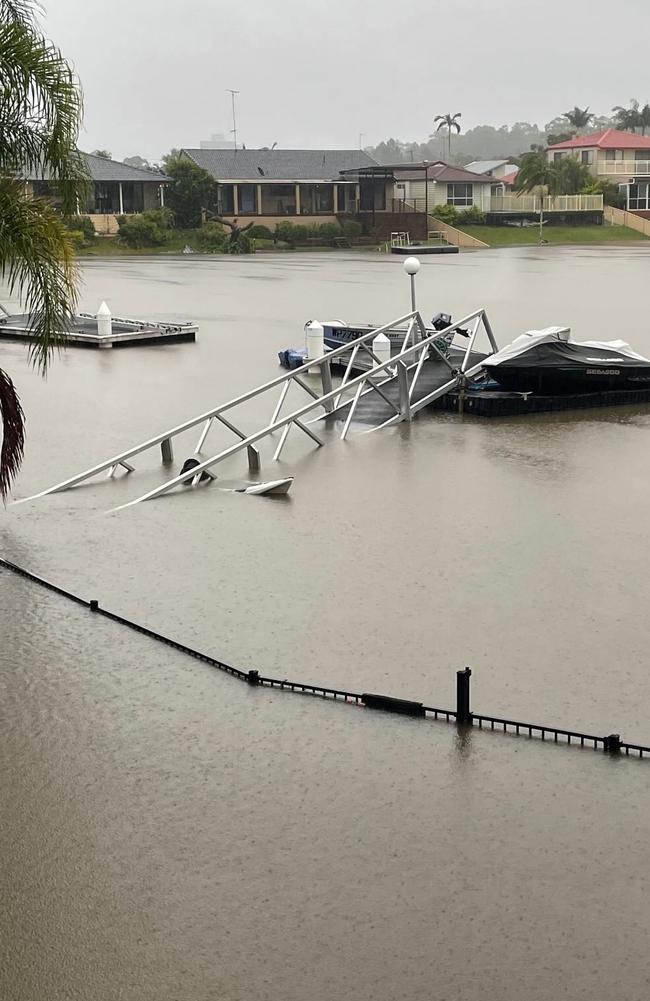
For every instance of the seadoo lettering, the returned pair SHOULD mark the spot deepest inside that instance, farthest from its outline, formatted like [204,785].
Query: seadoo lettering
[603,371]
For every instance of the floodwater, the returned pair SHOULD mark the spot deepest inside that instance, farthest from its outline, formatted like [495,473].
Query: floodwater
[168,834]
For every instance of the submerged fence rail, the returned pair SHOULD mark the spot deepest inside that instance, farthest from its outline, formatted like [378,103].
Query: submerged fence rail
[461,715]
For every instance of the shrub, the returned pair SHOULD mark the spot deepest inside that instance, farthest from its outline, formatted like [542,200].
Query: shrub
[243,245]
[78,238]
[163,217]
[447,213]
[81,230]
[260,233]
[141,231]
[83,224]
[291,233]
[471,217]
[328,232]
[351,228]
[211,238]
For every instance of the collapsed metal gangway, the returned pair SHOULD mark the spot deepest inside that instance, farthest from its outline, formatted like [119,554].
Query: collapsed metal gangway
[403,370]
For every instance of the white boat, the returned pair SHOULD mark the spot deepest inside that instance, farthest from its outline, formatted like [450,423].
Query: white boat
[336,333]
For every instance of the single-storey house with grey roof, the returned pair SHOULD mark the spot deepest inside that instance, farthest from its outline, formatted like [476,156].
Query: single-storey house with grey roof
[271,184]
[115,189]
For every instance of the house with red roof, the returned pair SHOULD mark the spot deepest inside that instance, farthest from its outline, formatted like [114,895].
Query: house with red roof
[617,156]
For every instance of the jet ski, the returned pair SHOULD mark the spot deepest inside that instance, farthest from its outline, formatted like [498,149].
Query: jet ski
[549,363]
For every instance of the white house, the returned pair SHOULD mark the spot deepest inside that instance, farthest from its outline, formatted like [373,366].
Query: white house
[428,184]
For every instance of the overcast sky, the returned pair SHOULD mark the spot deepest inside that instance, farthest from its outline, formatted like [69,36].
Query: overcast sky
[317,73]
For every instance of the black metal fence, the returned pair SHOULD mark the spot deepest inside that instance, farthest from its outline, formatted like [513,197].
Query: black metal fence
[462,715]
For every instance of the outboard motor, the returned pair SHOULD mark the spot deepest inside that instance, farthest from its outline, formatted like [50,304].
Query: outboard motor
[190,464]
[443,320]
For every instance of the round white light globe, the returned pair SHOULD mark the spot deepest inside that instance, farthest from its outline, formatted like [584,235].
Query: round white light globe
[411,265]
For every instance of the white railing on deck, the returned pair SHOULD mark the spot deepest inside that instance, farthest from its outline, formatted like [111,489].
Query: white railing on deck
[629,168]
[557,203]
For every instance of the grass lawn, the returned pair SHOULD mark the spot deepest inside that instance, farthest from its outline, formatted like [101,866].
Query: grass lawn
[109,246]
[515,236]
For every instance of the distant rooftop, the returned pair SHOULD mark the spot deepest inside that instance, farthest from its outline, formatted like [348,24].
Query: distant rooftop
[278,164]
[484,166]
[438,170]
[606,139]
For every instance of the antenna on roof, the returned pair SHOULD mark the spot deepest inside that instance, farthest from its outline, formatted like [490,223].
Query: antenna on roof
[234,120]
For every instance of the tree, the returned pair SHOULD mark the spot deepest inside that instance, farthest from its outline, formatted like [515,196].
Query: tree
[644,118]
[537,175]
[192,191]
[448,122]
[390,151]
[103,153]
[572,176]
[40,114]
[137,161]
[238,241]
[627,118]
[579,118]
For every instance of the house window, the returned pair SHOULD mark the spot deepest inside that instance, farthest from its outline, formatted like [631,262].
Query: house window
[587,156]
[226,200]
[247,199]
[558,156]
[460,194]
[640,196]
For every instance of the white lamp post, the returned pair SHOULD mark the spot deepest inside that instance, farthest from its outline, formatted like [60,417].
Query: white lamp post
[412,266]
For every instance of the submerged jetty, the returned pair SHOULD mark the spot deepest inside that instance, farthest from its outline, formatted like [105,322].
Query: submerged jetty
[100,330]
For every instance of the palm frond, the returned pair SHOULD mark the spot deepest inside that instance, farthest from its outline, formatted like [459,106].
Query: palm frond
[40,109]
[37,258]
[13,433]
[19,10]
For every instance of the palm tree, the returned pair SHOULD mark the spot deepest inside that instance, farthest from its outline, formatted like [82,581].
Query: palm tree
[644,118]
[40,114]
[579,118]
[627,118]
[448,122]
[539,176]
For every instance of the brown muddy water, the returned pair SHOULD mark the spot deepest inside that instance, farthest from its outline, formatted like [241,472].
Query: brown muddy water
[168,833]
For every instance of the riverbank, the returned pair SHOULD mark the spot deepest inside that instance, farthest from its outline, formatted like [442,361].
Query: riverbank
[494,236]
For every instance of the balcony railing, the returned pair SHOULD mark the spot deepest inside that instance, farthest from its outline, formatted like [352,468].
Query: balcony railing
[558,203]
[627,168]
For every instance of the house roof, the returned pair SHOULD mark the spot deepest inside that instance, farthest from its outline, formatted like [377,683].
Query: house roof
[606,139]
[279,164]
[508,179]
[484,166]
[439,171]
[101,169]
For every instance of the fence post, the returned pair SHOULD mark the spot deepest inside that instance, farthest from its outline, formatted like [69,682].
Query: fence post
[612,743]
[463,713]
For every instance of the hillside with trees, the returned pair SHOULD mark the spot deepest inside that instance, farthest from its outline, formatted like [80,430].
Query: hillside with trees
[491,142]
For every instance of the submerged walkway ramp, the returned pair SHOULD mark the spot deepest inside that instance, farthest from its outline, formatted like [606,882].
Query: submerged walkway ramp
[375,411]
[400,383]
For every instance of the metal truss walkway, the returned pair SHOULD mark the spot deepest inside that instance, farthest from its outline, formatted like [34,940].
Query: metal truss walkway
[398,383]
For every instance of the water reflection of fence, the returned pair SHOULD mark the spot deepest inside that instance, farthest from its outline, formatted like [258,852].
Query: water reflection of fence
[462,715]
